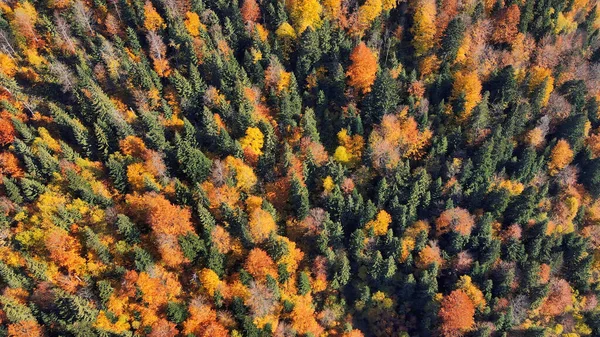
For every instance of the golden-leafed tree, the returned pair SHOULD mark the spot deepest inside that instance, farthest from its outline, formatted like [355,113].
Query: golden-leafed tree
[305,13]
[467,89]
[261,225]
[152,20]
[561,156]
[424,26]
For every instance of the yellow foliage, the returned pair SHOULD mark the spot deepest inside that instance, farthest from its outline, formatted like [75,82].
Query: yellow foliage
[380,224]
[539,76]
[34,58]
[192,23]
[369,11]
[285,31]
[305,13]
[389,4]
[424,28]
[513,187]
[137,175]
[262,32]
[561,156]
[244,174]
[7,65]
[210,281]
[261,225]
[467,83]
[152,20]
[350,148]
[328,184]
[103,323]
[476,296]
[341,155]
[332,8]
[48,140]
[564,24]
[254,139]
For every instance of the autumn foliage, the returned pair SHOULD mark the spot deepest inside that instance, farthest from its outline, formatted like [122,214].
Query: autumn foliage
[456,313]
[363,70]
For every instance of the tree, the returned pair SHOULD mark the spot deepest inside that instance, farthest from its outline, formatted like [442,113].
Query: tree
[250,11]
[7,132]
[299,198]
[305,13]
[457,220]
[560,157]
[506,25]
[380,224]
[152,20]
[261,225]
[363,70]
[467,89]
[456,313]
[424,26]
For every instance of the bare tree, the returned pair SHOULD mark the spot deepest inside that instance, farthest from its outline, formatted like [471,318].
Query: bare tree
[83,16]
[64,75]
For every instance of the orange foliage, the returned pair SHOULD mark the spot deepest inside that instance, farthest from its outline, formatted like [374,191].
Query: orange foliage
[558,299]
[133,146]
[456,312]
[250,11]
[259,264]
[202,321]
[457,219]
[560,157]
[429,255]
[218,195]
[396,138]
[261,225]
[28,328]
[221,239]
[167,222]
[303,316]
[64,250]
[152,20]
[159,288]
[9,165]
[506,25]
[7,132]
[545,270]
[363,70]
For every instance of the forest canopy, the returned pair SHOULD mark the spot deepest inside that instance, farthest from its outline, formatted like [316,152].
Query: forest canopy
[310,168]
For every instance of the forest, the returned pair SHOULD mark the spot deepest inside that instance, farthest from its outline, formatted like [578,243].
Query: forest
[309,168]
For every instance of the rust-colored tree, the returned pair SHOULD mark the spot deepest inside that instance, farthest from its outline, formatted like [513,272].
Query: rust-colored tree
[457,219]
[456,314]
[506,25]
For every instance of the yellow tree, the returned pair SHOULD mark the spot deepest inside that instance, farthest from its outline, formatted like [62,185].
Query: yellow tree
[467,87]
[368,12]
[423,29]
[560,157]
[363,70]
[152,20]
[305,13]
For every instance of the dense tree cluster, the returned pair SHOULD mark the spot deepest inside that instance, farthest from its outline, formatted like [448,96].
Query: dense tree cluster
[306,168]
